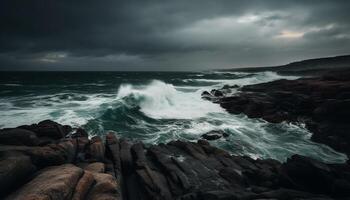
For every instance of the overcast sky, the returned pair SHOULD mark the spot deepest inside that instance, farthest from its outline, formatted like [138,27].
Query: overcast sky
[169,34]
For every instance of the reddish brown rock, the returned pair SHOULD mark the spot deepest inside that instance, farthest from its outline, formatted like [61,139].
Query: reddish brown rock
[48,128]
[15,169]
[113,150]
[96,167]
[84,185]
[105,188]
[52,183]
[96,150]
[18,136]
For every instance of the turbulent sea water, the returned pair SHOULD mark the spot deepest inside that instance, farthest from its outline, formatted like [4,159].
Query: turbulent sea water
[153,107]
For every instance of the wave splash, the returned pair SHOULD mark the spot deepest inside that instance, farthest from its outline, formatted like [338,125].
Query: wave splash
[158,112]
[160,100]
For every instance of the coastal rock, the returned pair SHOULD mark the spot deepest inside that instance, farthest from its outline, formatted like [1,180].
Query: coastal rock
[176,170]
[311,175]
[83,186]
[214,135]
[80,133]
[96,150]
[96,167]
[225,87]
[55,183]
[105,188]
[18,136]
[43,156]
[48,128]
[82,145]
[15,169]
[217,93]
[320,102]
[113,150]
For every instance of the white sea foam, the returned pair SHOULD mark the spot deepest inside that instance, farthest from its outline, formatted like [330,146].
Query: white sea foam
[62,107]
[260,77]
[12,84]
[190,116]
[162,101]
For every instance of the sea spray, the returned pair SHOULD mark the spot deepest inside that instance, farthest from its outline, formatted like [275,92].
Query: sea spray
[162,101]
[155,108]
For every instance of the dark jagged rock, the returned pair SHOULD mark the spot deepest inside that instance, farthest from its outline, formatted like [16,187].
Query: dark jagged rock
[214,135]
[217,93]
[225,87]
[96,149]
[113,153]
[18,136]
[80,133]
[322,103]
[48,128]
[176,170]
[310,175]
[212,95]
[43,156]
[15,169]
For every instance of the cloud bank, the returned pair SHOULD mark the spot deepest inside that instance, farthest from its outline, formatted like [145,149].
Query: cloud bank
[168,35]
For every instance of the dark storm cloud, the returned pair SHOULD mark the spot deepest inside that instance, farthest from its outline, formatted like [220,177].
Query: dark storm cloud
[168,35]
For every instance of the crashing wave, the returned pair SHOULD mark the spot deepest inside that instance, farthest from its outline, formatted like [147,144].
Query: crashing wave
[160,100]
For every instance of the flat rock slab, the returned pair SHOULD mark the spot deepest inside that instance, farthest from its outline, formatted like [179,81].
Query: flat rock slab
[96,167]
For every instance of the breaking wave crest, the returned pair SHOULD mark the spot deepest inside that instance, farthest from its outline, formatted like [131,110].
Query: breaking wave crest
[158,108]
[160,100]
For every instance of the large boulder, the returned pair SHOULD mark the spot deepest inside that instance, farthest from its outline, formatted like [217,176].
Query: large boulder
[53,154]
[15,169]
[18,136]
[43,156]
[49,129]
[54,183]
[106,187]
[84,185]
[310,175]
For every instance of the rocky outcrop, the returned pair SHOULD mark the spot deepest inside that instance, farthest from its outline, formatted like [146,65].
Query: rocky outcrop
[114,168]
[51,183]
[322,103]
[83,186]
[48,129]
[15,169]
[19,136]
[214,135]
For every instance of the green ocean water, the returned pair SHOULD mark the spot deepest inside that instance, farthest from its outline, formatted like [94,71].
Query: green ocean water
[153,107]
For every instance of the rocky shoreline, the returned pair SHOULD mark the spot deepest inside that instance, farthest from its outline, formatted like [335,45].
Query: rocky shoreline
[322,103]
[52,161]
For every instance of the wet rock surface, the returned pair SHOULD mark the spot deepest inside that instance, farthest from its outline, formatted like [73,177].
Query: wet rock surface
[113,168]
[322,103]
[214,135]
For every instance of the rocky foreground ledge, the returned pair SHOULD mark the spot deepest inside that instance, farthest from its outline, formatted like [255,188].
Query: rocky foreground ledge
[49,161]
[322,103]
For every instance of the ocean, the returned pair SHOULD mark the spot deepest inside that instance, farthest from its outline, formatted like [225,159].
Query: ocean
[154,107]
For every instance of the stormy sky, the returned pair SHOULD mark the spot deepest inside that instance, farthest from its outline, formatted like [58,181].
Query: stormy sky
[169,34]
